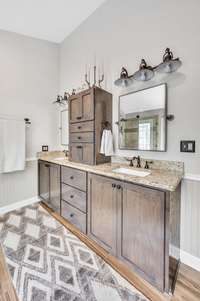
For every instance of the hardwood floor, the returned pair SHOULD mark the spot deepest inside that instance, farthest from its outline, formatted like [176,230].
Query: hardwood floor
[187,287]
[7,291]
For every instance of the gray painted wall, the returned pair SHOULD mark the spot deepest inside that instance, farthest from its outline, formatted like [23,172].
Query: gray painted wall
[120,33]
[28,85]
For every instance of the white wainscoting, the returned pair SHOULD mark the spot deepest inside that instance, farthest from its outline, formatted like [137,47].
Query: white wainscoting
[19,186]
[190,220]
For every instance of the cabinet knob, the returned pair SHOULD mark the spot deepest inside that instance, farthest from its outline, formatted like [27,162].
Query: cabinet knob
[71,214]
[113,185]
[119,187]
[71,196]
[47,165]
[79,127]
[79,117]
[71,178]
[79,137]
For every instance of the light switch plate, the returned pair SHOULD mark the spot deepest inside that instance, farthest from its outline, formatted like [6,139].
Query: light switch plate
[45,148]
[187,146]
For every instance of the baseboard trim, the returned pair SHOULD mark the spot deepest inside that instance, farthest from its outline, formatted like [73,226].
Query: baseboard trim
[190,260]
[19,204]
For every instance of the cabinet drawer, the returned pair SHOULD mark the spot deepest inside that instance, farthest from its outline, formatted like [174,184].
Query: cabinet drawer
[82,153]
[82,137]
[82,127]
[73,177]
[74,196]
[74,216]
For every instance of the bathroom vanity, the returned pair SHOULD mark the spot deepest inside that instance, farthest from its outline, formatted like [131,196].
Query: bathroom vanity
[135,218]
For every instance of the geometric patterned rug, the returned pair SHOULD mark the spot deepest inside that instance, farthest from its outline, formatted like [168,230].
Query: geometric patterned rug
[49,263]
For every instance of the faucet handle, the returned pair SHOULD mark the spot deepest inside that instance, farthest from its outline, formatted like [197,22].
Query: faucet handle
[147,164]
[130,161]
[65,152]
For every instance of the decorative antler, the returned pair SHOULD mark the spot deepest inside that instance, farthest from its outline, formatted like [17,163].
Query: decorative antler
[87,81]
[101,80]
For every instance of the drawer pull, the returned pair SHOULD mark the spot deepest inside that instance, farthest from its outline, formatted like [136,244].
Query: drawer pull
[71,196]
[79,146]
[79,137]
[119,187]
[71,178]
[78,118]
[71,214]
[79,127]
[113,185]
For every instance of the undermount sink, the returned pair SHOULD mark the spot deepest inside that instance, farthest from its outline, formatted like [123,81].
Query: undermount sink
[60,159]
[132,172]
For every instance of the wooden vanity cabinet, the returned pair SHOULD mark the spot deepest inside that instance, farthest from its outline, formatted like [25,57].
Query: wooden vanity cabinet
[137,224]
[102,212]
[88,112]
[74,197]
[49,184]
[141,231]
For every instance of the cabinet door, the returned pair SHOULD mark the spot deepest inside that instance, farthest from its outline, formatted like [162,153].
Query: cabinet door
[82,153]
[44,181]
[54,202]
[102,212]
[142,234]
[87,105]
[81,106]
[75,109]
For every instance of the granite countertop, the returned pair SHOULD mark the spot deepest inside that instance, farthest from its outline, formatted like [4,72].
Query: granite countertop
[161,179]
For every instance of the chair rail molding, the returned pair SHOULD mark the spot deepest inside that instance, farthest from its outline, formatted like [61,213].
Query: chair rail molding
[192,177]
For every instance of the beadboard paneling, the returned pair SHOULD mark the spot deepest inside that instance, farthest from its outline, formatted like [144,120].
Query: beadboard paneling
[190,217]
[18,186]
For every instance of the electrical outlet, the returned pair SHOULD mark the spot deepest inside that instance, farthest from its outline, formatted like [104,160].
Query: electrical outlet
[45,148]
[187,146]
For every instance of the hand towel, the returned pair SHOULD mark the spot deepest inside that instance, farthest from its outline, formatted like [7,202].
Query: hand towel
[107,143]
[12,145]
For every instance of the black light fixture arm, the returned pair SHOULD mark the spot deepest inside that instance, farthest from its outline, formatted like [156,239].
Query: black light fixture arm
[145,72]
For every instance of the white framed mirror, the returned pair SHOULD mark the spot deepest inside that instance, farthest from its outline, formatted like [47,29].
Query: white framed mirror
[64,127]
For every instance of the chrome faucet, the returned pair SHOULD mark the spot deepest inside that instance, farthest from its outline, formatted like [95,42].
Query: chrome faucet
[138,161]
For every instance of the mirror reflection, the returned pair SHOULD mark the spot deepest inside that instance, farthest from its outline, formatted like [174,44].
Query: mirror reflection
[142,119]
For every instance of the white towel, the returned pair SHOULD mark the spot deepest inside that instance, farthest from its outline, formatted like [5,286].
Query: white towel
[107,143]
[12,145]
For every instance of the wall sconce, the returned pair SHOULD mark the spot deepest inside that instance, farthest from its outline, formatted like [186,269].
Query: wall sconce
[62,100]
[169,64]
[125,80]
[146,72]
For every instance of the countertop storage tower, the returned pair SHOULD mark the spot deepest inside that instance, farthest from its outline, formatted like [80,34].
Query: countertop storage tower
[89,112]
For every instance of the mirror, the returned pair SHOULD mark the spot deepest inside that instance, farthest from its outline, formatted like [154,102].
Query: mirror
[64,127]
[142,119]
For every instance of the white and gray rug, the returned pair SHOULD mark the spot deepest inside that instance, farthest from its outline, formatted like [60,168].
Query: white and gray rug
[49,263]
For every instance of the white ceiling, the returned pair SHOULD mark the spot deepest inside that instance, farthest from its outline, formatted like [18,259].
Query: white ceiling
[50,20]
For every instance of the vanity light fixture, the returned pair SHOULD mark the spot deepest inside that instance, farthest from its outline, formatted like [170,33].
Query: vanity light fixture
[62,100]
[145,72]
[125,80]
[169,64]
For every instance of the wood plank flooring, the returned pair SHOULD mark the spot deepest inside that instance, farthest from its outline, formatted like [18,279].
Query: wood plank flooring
[187,287]
[7,291]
